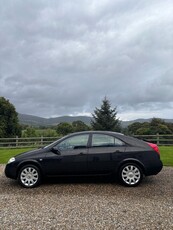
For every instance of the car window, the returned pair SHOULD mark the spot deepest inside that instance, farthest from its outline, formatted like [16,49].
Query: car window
[76,142]
[102,140]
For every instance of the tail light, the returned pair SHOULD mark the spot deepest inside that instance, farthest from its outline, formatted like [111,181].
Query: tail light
[154,147]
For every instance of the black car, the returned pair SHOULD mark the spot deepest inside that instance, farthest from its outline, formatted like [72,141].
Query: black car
[87,153]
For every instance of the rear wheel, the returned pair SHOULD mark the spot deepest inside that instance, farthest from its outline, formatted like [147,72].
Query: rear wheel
[29,176]
[130,174]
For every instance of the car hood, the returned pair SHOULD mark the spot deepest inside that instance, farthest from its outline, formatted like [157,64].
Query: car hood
[30,154]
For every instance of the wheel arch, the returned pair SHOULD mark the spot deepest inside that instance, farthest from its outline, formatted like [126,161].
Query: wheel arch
[132,160]
[29,162]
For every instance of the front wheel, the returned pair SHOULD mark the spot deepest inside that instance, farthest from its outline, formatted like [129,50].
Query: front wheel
[29,176]
[130,174]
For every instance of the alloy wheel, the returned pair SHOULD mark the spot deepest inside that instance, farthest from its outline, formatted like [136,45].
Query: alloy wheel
[29,176]
[131,175]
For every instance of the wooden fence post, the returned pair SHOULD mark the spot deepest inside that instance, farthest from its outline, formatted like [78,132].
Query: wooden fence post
[17,141]
[41,140]
[157,137]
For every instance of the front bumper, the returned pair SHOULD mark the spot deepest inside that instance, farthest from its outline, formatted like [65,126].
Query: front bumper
[11,170]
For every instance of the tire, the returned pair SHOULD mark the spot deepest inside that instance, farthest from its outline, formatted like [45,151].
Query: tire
[130,174]
[29,176]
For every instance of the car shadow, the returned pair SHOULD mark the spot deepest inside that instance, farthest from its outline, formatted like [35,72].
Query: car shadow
[80,180]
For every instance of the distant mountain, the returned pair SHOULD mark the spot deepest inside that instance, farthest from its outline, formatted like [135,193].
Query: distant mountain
[40,121]
[127,123]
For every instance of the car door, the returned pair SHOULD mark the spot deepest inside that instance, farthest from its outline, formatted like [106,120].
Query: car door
[104,153]
[71,156]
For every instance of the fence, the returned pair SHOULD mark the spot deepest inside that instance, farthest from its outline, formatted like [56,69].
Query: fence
[157,139]
[35,142]
[31,142]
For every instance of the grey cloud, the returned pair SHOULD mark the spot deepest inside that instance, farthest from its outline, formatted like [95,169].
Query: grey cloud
[63,57]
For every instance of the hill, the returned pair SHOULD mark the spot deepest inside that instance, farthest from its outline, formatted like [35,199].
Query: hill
[40,121]
[127,123]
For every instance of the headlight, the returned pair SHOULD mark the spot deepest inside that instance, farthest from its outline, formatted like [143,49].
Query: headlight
[11,160]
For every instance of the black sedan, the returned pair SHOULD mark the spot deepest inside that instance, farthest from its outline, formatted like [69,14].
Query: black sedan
[87,153]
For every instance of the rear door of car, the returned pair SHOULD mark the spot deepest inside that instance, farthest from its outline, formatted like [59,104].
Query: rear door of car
[104,153]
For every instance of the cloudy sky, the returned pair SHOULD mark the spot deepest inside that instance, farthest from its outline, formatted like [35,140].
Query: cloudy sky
[63,57]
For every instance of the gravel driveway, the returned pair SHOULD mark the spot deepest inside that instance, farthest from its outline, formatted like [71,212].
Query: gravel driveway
[88,204]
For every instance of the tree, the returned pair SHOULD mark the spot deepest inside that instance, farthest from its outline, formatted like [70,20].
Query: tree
[154,127]
[138,128]
[143,131]
[79,126]
[132,128]
[170,127]
[9,123]
[64,128]
[105,118]
[29,132]
[48,132]
[159,126]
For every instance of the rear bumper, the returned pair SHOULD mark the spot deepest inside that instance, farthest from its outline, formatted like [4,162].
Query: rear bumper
[154,169]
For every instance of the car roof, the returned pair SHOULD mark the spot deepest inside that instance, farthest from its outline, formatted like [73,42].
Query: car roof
[96,132]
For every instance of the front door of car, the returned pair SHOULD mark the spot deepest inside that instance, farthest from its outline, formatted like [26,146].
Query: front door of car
[70,157]
[103,153]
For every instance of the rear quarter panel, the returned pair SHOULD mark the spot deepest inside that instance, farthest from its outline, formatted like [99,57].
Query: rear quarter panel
[149,159]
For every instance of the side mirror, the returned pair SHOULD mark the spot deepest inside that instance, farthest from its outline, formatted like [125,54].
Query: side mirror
[56,151]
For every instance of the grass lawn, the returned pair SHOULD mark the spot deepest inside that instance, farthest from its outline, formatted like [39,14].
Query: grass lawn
[166,153]
[6,154]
